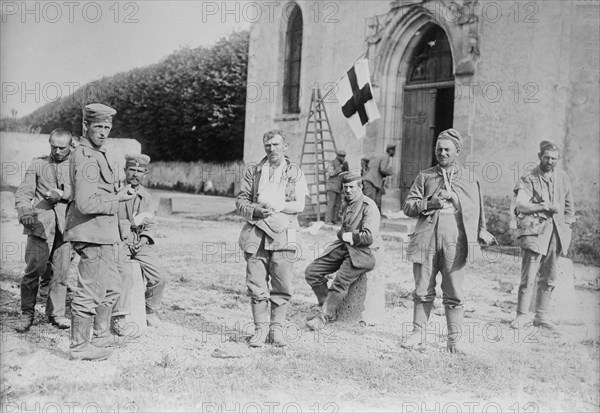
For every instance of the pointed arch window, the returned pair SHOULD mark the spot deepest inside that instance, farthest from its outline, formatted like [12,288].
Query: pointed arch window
[432,60]
[293,62]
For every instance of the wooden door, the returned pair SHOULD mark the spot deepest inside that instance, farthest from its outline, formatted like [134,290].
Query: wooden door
[418,136]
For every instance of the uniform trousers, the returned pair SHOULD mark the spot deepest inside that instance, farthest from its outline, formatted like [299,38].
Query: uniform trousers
[446,253]
[274,266]
[372,192]
[99,282]
[38,254]
[334,201]
[533,263]
[152,273]
[338,260]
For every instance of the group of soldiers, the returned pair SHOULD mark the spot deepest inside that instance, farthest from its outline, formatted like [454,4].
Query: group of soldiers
[73,201]
[373,172]
[447,201]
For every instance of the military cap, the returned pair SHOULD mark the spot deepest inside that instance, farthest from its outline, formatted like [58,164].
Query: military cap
[452,135]
[549,146]
[97,112]
[137,160]
[390,146]
[350,176]
[341,152]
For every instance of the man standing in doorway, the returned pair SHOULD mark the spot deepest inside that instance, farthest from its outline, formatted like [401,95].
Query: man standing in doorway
[545,212]
[379,168]
[448,203]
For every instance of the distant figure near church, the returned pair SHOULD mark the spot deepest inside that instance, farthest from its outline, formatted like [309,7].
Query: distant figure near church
[334,187]
[378,168]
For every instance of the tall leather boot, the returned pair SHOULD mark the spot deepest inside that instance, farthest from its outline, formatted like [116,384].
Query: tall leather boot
[102,335]
[421,312]
[522,309]
[542,305]
[81,347]
[260,313]
[321,292]
[454,319]
[278,313]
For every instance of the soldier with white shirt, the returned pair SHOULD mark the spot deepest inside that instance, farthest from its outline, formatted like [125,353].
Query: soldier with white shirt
[272,194]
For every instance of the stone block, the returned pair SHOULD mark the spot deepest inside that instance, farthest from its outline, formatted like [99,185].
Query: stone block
[136,320]
[365,301]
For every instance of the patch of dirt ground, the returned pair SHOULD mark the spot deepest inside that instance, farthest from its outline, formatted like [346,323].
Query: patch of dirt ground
[198,360]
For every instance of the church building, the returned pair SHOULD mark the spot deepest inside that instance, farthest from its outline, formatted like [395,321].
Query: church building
[505,74]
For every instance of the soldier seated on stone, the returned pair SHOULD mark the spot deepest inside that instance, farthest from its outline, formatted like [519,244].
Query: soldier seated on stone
[41,201]
[351,255]
[137,229]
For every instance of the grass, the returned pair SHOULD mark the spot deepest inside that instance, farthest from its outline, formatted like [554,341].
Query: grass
[205,309]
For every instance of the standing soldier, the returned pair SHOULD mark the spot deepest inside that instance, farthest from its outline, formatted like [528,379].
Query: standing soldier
[448,202]
[92,227]
[351,255]
[272,193]
[545,212]
[136,223]
[334,187]
[378,168]
[47,185]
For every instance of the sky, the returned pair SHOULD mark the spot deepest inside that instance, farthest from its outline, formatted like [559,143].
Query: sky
[49,48]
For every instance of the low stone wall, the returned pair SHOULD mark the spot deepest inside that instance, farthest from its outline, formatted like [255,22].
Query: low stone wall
[18,149]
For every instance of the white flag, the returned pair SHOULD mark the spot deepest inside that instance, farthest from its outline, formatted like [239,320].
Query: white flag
[356,98]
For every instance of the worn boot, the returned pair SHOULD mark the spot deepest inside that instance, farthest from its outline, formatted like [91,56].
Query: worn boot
[454,319]
[277,321]
[260,313]
[24,322]
[81,347]
[317,322]
[102,335]
[421,312]
[520,320]
[544,295]
[321,292]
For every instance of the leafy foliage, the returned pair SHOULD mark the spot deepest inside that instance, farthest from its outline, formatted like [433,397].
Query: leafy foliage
[188,107]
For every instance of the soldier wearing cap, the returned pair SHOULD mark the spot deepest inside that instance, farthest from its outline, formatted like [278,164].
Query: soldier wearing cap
[137,227]
[272,193]
[545,212]
[334,187]
[92,227]
[379,168]
[41,201]
[448,203]
[351,255]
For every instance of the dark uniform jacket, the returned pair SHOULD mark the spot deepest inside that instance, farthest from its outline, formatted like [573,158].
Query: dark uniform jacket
[378,170]
[130,232]
[92,211]
[430,181]
[334,181]
[361,218]
[42,175]
[535,187]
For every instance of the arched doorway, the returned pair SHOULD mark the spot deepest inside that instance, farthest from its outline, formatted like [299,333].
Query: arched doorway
[428,107]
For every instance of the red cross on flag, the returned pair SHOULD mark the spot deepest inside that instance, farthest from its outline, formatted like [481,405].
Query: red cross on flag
[355,97]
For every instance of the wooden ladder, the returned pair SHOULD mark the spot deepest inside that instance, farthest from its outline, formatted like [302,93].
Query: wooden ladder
[318,142]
